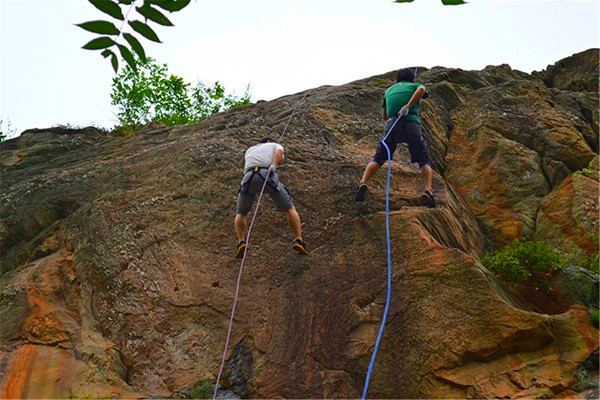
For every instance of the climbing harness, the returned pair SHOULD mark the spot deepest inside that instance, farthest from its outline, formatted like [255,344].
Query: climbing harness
[389,256]
[256,171]
[239,278]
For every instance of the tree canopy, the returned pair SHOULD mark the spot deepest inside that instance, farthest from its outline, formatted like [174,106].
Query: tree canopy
[152,94]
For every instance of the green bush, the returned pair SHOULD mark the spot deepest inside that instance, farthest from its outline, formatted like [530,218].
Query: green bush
[201,390]
[595,318]
[525,262]
[592,262]
[126,130]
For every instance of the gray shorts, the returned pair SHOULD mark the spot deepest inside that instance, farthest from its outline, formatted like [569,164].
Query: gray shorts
[252,184]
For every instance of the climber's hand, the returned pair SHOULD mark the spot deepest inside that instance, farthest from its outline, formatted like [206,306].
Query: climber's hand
[404,111]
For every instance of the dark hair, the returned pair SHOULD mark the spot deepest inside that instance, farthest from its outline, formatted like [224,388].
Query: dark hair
[267,140]
[405,75]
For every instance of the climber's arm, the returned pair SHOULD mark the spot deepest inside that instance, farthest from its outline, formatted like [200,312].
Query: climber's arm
[417,95]
[278,156]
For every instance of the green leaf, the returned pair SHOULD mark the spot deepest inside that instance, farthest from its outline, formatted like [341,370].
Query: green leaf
[108,7]
[135,45]
[171,5]
[453,2]
[404,1]
[154,15]
[99,43]
[144,30]
[127,56]
[106,53]
[126,2]
[115,63]
[102,27]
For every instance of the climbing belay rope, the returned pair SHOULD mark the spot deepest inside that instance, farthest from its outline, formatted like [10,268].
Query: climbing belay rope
[239,278]
[389,256]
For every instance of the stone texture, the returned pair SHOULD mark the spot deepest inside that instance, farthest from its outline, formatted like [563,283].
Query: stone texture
[581,284]
[62,352]
[576,73]
[568,216]
[509,146]
[117,277]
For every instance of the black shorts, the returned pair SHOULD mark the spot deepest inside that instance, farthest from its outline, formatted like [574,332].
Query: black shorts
[404,132]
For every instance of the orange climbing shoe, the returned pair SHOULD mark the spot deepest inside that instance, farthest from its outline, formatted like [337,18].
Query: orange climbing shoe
[300,247]
[241,246]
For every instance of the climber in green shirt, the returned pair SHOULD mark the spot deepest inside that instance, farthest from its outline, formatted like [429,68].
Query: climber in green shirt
[397,96]
[401,100]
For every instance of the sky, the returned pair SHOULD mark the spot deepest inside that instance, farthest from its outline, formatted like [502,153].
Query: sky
[277,46]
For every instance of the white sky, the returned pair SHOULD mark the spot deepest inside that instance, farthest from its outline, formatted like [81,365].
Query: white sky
[278,46]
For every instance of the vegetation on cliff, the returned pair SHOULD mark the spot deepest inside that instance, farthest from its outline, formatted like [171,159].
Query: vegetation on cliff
[526,262]
[151,93]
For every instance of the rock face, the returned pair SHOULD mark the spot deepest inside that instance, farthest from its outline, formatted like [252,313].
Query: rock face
[576,73]
[568,216]
[117,277]
[509,146]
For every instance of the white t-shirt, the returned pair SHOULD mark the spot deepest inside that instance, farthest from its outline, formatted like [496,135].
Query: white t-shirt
[261,155]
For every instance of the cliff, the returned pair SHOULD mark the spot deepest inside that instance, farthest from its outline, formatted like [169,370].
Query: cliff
[117,275]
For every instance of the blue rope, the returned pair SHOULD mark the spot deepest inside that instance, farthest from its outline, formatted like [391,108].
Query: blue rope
[389,262]
[389,256]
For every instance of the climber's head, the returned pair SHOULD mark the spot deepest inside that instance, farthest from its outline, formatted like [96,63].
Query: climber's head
[405,75]
[267,140]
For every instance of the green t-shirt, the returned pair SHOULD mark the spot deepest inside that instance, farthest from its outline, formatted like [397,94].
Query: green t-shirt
[397,96]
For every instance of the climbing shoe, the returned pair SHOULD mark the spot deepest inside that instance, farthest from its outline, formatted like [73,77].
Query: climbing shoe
[239,252]
[428,199]
[360,192]
[299,246]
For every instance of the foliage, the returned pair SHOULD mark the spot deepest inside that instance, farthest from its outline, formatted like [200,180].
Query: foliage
[592,262]
[126,130]
[595,318]
[126,43]
[585,379]
[115,39]
[6,132]
[152,94]
[525,262]
[444,2]
[201,390]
